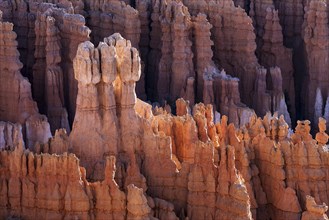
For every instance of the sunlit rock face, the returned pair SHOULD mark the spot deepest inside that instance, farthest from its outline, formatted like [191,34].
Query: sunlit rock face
[162,109]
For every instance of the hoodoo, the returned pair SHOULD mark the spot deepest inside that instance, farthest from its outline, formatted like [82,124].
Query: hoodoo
[163,109]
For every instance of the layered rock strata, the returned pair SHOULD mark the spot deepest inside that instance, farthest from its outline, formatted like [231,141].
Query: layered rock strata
[315,34]
[272,53]
[52,94]
[112,68]
[108,17]
[176,64]
[140,160]
[16,101]
[71,31]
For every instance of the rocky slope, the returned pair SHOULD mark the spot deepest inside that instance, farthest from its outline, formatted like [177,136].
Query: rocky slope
[164,109]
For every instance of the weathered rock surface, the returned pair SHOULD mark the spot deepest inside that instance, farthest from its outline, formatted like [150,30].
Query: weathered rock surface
[19,98]
[16,103]
[51,186]
[198,151]
[108,17]
[61,36]
[214,86]
[48,48]
[151,27]
[315,34]
[314,211]
[272,53]
[176,64]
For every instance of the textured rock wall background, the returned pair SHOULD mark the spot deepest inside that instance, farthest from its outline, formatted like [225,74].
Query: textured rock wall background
[162,109]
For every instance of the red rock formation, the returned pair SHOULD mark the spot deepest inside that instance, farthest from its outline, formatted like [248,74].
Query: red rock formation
[262,100]
[315,34]
[196,7]
[259,12]
[109,17]
[322,137]
[232,188]
[309,180]
[270,161]
[270,99]
[95,102]
[229,53]
[314,211]
[144,11]
[154,56]
[71,32]
[236,54]
[213,87]
[35,188]
[18,88]
[137,206]
[202,51]
[10,136]
[192,156]
[115,16]
[196,178]
[187,165]
[273,53]
[16,101]
[142,161]
[176,64]
[291,14]
[16,13]
[48,58]
[134,143]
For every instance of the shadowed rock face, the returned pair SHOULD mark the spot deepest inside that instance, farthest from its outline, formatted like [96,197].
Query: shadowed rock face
[16,100]
[173,41]
[226,81]
[50,35]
